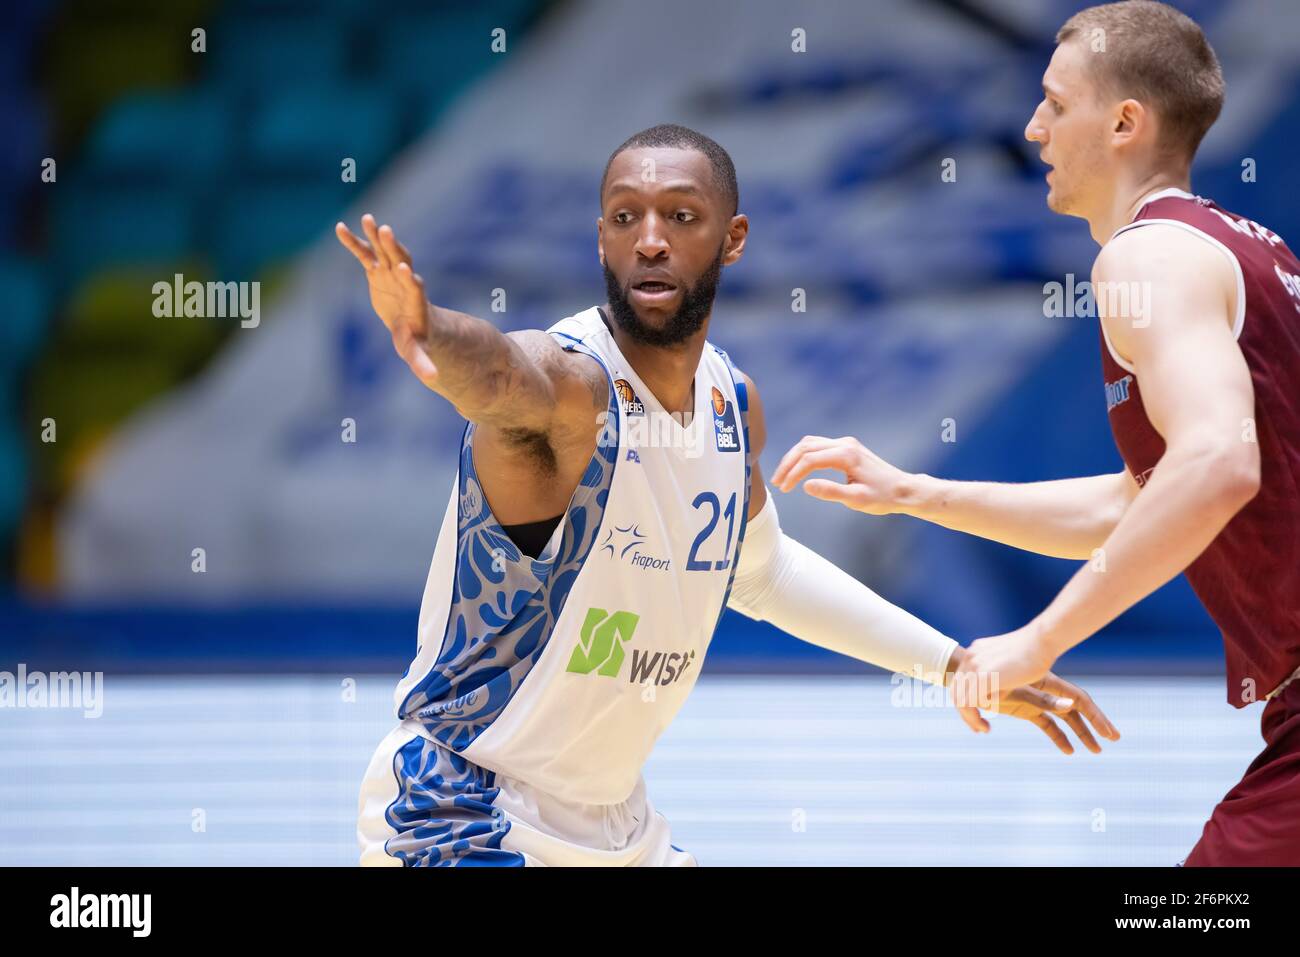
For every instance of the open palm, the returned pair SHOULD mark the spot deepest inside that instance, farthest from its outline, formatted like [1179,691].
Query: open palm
[396,292]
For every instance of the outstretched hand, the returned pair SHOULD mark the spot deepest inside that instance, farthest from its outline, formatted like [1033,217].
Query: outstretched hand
[396,292]
[870,485]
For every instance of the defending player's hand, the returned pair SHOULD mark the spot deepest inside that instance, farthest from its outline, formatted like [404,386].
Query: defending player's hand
[999,664]
[1052,696]
[871,484]
[396,292]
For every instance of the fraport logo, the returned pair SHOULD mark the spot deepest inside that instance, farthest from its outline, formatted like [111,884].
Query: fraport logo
[627,539]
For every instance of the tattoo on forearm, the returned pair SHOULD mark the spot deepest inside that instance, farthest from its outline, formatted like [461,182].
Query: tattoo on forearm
[479,367]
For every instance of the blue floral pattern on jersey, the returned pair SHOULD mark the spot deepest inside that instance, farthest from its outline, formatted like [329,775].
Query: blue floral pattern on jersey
[504,604]
[443,813]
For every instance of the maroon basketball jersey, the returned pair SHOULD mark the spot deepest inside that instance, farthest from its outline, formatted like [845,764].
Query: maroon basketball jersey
[1249,576]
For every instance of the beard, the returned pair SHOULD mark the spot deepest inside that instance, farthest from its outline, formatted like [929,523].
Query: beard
[697,302]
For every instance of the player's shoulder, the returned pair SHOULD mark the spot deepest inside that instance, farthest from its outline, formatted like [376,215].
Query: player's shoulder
[741,378]
[557,341]
[577,375]
[1157,251]
[581,327]
[1161,277]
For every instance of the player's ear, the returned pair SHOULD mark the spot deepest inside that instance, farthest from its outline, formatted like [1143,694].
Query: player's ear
[737,233]
[1130,117]
[600,239]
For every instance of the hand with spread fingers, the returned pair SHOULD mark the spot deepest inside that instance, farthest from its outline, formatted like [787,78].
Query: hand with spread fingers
[396,292]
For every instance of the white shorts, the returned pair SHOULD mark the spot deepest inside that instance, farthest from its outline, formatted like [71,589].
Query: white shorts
[423,805]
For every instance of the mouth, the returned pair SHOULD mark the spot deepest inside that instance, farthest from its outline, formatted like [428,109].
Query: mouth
[653,292]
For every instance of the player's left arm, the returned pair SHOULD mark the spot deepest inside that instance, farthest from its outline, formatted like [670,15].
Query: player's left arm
[782,581]
[1197,391]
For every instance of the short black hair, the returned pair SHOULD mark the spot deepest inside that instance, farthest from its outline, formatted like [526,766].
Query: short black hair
[672,136]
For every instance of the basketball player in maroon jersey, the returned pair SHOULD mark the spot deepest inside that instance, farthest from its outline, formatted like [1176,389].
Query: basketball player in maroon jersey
[1200,345]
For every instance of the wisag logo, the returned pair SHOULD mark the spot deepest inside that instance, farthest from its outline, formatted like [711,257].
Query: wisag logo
[600,649]
[600,645]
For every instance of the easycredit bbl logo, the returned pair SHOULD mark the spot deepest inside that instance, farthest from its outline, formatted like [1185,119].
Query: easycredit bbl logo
[601,650]
[724,423]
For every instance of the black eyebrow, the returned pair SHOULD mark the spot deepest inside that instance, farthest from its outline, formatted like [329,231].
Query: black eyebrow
[671,187]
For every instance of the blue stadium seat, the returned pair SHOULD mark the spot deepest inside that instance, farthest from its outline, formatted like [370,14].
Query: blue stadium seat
[260,223]
[24,123]
[13,475]
[437,56]
[176,137]
[259,54]
[25,296]
[313,129]
[19,41]
[303,7]
[101,224]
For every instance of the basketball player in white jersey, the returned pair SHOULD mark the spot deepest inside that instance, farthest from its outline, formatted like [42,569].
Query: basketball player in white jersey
[608,478]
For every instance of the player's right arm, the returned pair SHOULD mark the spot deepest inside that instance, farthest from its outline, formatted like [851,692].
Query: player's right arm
[780,580]
[520,384]
[1065,518]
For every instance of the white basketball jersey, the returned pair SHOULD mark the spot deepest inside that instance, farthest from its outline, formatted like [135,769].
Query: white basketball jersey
[563,670]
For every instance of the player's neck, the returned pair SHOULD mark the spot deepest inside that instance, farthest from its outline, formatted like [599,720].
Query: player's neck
[667,371]
[1128,197]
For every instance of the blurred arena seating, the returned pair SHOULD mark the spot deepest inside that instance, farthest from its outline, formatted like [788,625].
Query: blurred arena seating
[925,297]
[216,164]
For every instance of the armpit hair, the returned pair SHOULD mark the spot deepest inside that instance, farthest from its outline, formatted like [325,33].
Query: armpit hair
[542,350]
[536,445]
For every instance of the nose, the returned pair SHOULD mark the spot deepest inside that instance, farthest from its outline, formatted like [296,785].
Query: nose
[1035,131]
[651,242]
